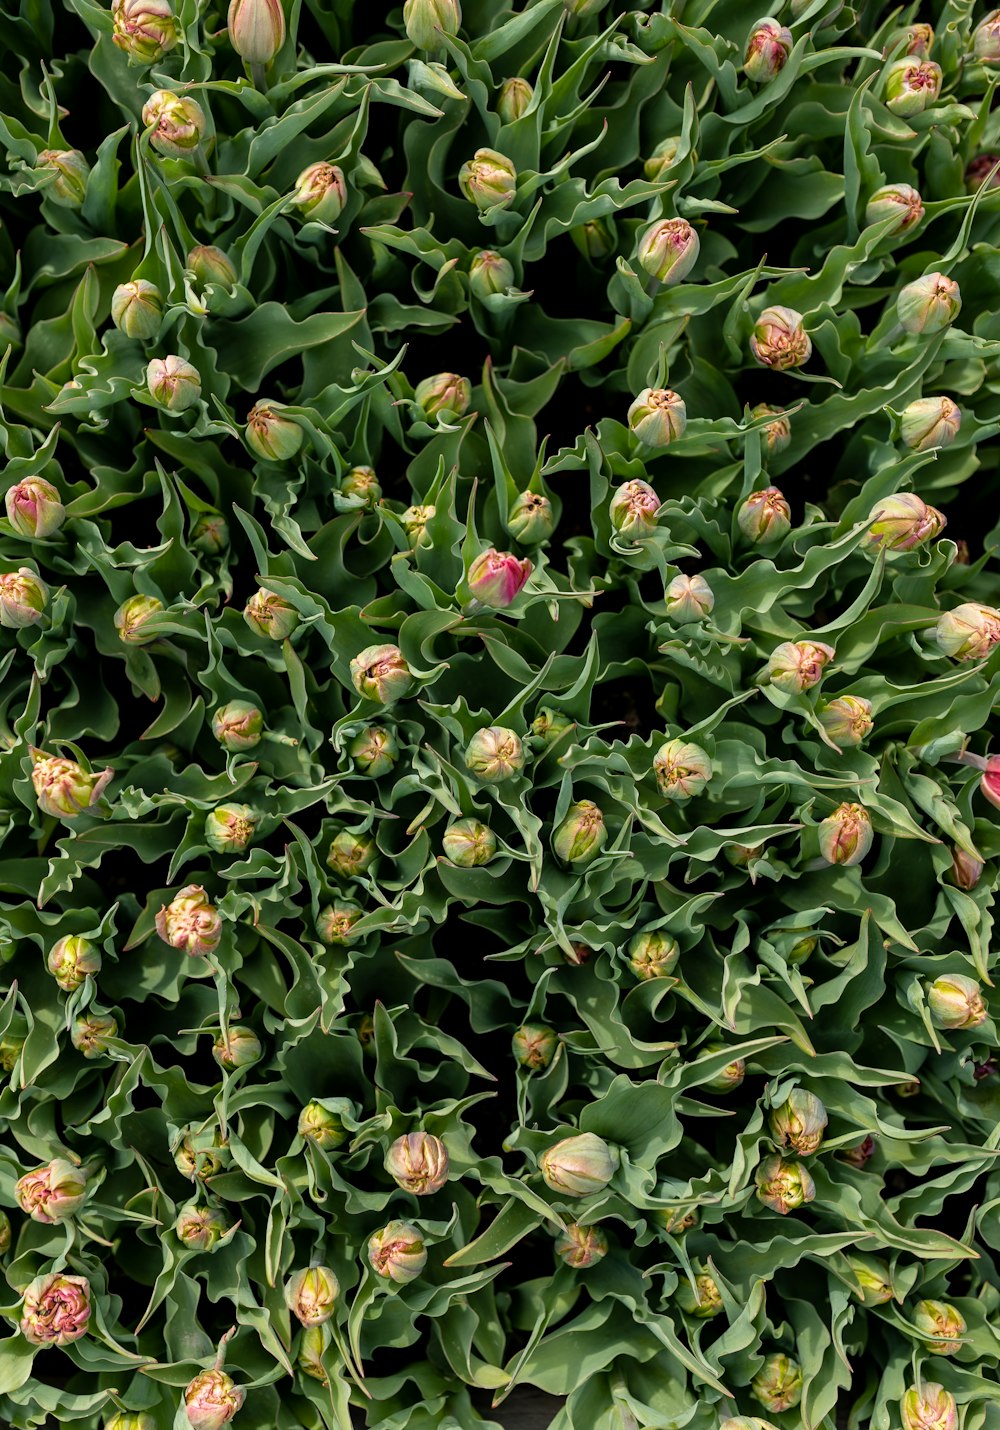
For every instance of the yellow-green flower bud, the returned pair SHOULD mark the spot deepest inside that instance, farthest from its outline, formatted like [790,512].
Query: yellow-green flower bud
[212,1399]
[595,239]
[190,922]
[469,843]
[581,1246]
[767,49]
[200,1152]
[374,750]
[137,309]
[238,725]
[397,1252]
[985,46]
[145,29]
[796,666]
[531,518]
[230,828]
[928,305]
[322,1125]
[69,187]
[418,1162]
[900,523]
[657,416]
[23,599]
[211,265]
[351,855]
[381,674]
[930,422]
[799,1122]
[900,202]
[668,250]
[201,1228]
[689,598]
[90,1034]
[239,1048]
[778,1383]
[494,754]
[270,615]
[361,484]
[777,434]
[577,1166]
[177,123]
[581,835]
[414,523]
[703,1300]
[270,435]
[764,516]
[779,339]
[174,383]
[320,193]
[911,85]
[942,1324]
[534,1045]
[874,1282]
[782,1185]
[549,724]
[929,1407]
[956,1001]
[335,922]
[682,769]
[731,1076]
[64,788]
[209,534]
[256,29]
[136,619]
[514,99]
[969,632]
[444,396]
[488,180]
[847,719]
[426,21]
[846,835]
[919,38]
[489,273]
[311,1295]
[71,960]
[312,1348]
[131,1420]
[661,159]
[652,954]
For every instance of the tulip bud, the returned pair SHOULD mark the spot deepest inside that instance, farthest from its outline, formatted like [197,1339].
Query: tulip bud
[34,508]
[351,855]
[397,1252]
[238,725]
[490,273]
[311,1295]
[689,598]
[778,1383]
[534,1045]
[796,666]
[256,29]
[531,519]
[229,828]
[374,751]
[799,1122]
[900,202]
[444,396]
[335,923]
[989,785]
[929,1407]
[173,383]
[969,632]
[764,516]
[488,180]
[549,724]
[731,1076]
[270,615]
[90,1035]
[955,1001]
[983,169]
[190,922]
[209,534]
[64,788]
[496,578]
[271,436]
[860,1155]
[703,1300]
[872,1275]
[577,1166]
[469,843]
[136,619]
[966,870]
[199,1153]
[661,159]
[768,46]
[239,1048]
[847,719]
[742,855]
[595,239]
[144,29]
[657,416]
[51,1193]
[418,1163]
[985,45]
[900,523]
[414,522]
[71,960]
[514,99]
[801,950]
[928,305]
[69,187]
[322,1126]
[668,250]
[846,835]
[675,1221]
[779,340]
[911,85]
[381,674]
[494,754]
[581,1246]
[919,38]
[930,422]
[178,123]
[211,265]
[312,1348]
[682,769]
[23,599]
[211,1400]
[782,1185]
[320,193]
[125,1420]
[137,309]
[776,434]
[634,508]
[201,1228]
[55,1310]
[941,1323]
[581,836]
[426,21]
[652,954]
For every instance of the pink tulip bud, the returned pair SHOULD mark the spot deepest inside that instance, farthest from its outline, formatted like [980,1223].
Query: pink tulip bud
[397,1252]
[983,169]
[55,1310]
[177,122]
[682,769]
[144,29]
[779,340]
[969,632]
[930,422]
[190,922]
[689,598]
[900,202]
[777,434]
[496,578]
[64,788]
[669,249]
[634,509]
[846,835]
[446,395]
[270,615]
[34,508]
[929,1407]
[796,666]
[768,46]
[847,719]
[990,782]
[900,523]
[911,85]
[966,870]
[174,383]
[418,1163]
[211,1400]
[764,516]
[256,29]
[53,1192]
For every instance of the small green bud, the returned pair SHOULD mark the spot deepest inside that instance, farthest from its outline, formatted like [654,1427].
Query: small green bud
[514,99]
[335,923]
[174,383]
[71,960]
[414,522]
[581,1246]
[322,1125]
[488,180]
[731,1076]
[272,436]
[782,1185]
[230,828]
[847,719]
[594,239]
[577,1166]
[320,193]
[955,1002]
[351,855]
[445,396]
[549,724]
[90,1034]
[531,518]
[374,750]
[489,273]
[777,434]
[238,725]
[652,954]
[239,1048]
[874,1283]
[689,598]
[799,1122]
[469,843]
[911,85]
[764,516]
[270,615]
[942,1324]
[361,484]
[657,416]
[900,202]
[209,533]
[494,754]
[426,21]
[582,834]
[69,187]
[928,305]
[703,1300]
[136,619]
[778,1383]
[201,1228]
[767,49]
[534,1045]
[137,309]
[662,158]
[211,265]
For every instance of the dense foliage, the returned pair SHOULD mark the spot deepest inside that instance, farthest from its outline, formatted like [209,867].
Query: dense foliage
[499,650]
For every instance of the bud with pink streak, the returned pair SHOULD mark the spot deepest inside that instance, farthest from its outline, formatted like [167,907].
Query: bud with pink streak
[496,578]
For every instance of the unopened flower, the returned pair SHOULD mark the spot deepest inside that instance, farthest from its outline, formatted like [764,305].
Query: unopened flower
[796,666]
[581,835]
[446,395]
[131,1420]
[397,1252]
[657,416]
[11,1045]
[900,202]
[270,435]
[549,724]
[778,1383]
[320,193]
[942,1324]
[989,784]
[985,44]
[595,239]
[730,1077]
[689,598]
[311,1294]
[469,843]
[577,1166]
[23,599]
[969,632]
[71,959]
[919,38]
[901,522]
[210,264]
[351,855]
[801,950]
[374,750]
[488,180]
[514,99]
[847,719]
[136,619]
[63,788]
[238,1048]
[137,309]
[929,1407]
[322,1125]
[489,273]
[768,46]
[211,1400]
[966,869]
[682,769]
[534,1045]
[238,725]
[799,1122]
[200,1152]
[144,29]
[496,578]
[55,1310]
[956,1001]
[361,484]
[776,434]
[34,508]
[494,754]
[53,1192]
[380,673]
[270,615]
[662,158]
[190,922]
[675,1221]
[313,1346]
[846,835]
[426,21]
[764,516]
[91,1033]
[860,1154]
[230,828]
[634,508]
[201,1228]
[703,1300]
[335,922]
[930,422]
[418,1163]
[581,1246]
[742,855]
[531,518]
[983,169]
[209,533]
[178,123]
[256,29]
[414,522]
[928,305]
[668,250]
[779,339]
[174,383]
[69,187]
[652,954]
[874,1282]
[783,1185]
[911,85]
